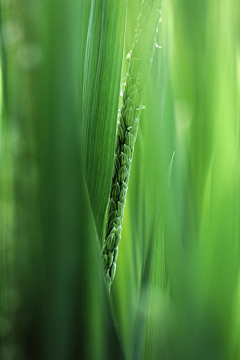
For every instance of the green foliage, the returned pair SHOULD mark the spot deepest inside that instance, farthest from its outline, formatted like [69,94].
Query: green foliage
[100,99]
[176,291]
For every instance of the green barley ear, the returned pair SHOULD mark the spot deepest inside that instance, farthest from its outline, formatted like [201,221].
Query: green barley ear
[140,61]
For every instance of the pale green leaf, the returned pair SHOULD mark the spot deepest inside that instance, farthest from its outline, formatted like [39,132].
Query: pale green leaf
[101,90]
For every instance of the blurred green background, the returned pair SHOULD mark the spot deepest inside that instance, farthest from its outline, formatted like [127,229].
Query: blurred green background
[176,294]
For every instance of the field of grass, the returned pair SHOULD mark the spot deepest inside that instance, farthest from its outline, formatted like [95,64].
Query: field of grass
[176,292]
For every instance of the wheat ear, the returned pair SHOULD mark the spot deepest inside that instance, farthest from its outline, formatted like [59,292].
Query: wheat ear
[140,60]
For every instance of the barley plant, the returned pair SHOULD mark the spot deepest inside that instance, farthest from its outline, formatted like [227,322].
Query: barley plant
[140,60]
[84,84]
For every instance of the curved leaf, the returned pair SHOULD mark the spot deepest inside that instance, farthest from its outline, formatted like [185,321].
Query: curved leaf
[101,86]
